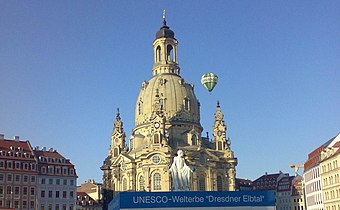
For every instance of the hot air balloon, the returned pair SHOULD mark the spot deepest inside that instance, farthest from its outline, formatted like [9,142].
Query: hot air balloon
[209,81]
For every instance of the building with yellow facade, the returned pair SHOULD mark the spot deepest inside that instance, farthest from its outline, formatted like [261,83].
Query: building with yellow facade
[167,119]
[330,175]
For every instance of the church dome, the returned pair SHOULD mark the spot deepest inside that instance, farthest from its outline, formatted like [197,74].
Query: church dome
[166,103]
[175,98]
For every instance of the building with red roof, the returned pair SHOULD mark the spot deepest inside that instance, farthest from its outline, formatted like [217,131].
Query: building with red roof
[18,174]
[35,179]
[268,181]
[243,184]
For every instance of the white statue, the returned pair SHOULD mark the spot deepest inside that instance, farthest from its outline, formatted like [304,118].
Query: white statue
[180,173]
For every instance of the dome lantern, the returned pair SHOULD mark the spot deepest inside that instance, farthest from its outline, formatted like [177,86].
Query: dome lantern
[165,50]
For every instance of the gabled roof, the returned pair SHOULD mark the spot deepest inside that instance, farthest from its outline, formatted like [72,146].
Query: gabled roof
[124,157]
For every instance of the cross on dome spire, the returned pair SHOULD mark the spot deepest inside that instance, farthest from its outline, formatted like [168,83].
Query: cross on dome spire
[164,18]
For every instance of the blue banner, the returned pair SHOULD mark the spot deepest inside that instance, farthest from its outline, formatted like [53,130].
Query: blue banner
[134,200]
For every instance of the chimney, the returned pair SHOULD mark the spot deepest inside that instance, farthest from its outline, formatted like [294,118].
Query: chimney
[50,149]
[16,138]
[44,149]
[2,136]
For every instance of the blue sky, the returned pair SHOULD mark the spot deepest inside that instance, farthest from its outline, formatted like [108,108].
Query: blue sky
[65,66]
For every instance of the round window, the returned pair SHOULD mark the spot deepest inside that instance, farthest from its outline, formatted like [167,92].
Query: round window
[156,159]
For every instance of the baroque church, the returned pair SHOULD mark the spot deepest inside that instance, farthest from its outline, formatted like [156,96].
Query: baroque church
[167,119]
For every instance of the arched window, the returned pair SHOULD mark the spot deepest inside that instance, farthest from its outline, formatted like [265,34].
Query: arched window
[156,138]
[194,139]
[158,54]
[219,145]
[157,181]
[219,183]
[141,183]
[125,187]
[169,53]
[201,183]
[115,152]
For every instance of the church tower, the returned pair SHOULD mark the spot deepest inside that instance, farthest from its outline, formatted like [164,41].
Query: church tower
[167,119]
[117,138]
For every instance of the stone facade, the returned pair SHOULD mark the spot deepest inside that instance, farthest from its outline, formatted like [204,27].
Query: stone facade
[167,118]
